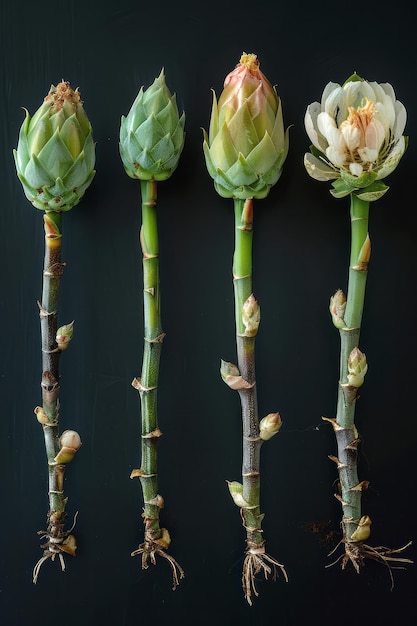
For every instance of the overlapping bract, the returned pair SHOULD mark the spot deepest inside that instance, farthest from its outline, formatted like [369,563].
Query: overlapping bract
[246,145]
[152,134]
[55,155]
[357,136]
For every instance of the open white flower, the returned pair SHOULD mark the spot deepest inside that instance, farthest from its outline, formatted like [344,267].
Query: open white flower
[357,136]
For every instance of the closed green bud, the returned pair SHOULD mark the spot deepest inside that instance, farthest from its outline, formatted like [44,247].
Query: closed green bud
[55,155]
[246,145]
[152,134]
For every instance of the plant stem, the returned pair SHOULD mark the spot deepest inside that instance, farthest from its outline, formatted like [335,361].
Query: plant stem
[346,433]
[256,559]
[48,415]
[242,280]
[355,526]
[156,538]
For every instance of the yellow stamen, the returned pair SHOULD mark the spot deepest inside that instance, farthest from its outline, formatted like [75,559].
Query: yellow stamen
[361,117]
[250,60]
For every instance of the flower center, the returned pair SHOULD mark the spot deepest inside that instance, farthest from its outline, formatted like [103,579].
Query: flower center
[360,118]
[63,92]
[251,61]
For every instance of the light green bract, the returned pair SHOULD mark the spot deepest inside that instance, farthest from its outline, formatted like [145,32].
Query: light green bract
[152,134]
[55,155]
[246,145]
[357,136]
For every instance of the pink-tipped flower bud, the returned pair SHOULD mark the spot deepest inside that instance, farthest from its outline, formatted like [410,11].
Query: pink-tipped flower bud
[246,145]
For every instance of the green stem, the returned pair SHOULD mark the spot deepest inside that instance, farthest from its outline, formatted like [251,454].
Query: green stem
[346,434]
[242,276]
[157,539]
[153,337]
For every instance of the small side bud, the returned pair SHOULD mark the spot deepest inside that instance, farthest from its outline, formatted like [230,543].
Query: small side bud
[236,491]
[251,316]
[70,442]
[69,545]
[363,530]
[357,368]
[164,540]
[337,308]
[64,335]
[364,256]
[41,416]
[269,426]
[232,377]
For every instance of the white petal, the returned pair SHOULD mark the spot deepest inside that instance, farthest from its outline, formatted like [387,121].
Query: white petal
[368,155]
[375,135]
[318,169]
[356,169]
[352,136]
[392,160]
[401,119]
[336,156]
[310,122]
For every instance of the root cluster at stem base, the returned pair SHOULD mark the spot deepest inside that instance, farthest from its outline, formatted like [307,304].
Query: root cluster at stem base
[149,550]
[358,552]
[258,561]
[59,542]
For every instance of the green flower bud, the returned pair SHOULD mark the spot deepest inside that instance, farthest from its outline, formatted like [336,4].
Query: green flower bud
[55,155]
[357,137]
[246,145]
[357,368]
[152,134]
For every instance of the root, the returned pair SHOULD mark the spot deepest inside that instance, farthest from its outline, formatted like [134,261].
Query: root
[149,550]
[256,561]
[59,542]
[357,553]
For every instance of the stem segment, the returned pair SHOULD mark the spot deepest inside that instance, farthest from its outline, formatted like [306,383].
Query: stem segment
[59,541]
[256,559]
[156,539]
[355,526]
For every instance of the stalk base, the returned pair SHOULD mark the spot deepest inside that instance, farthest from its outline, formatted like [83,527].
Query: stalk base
[59,542]
[357,553]
[256,561]
[155,544]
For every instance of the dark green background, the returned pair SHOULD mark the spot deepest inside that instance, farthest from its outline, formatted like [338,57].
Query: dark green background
[301,243]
